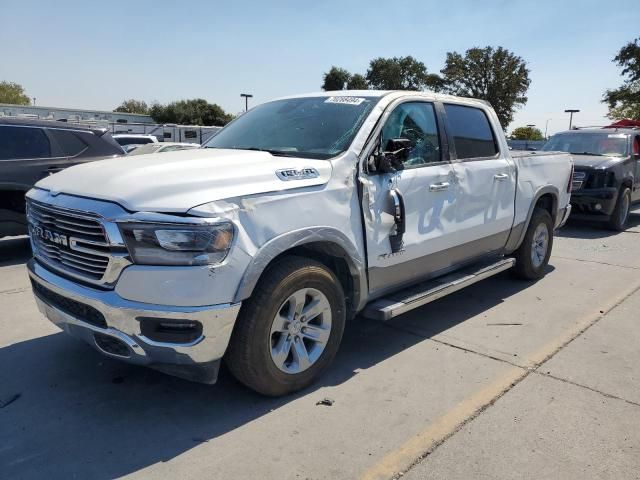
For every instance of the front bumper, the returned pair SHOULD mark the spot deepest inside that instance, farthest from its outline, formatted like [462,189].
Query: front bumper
[594,202]
[197,360]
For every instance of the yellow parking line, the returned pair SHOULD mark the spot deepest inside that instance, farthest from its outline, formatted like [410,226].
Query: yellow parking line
[424,442]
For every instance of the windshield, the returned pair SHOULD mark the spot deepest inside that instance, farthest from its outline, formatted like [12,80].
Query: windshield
[144,149]
[310,127]
[607,144]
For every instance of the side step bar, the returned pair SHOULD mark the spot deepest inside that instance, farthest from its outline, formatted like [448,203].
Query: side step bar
[401,302]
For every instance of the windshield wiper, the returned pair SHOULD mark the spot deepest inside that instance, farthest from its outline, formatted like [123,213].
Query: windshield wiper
[275,153]
[587,153]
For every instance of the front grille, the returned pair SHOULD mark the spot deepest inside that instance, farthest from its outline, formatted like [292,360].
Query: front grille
[578,180]
[69,241]
[78,310]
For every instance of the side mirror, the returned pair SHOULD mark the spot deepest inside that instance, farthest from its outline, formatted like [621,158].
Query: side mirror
[395,151]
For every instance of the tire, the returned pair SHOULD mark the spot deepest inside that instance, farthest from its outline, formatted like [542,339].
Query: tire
[620,215]
[265,351]
[531,265]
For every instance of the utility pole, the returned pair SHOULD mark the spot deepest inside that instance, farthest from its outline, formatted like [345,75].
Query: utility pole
[571,112]
[246,96]
[530,126]
[546,127]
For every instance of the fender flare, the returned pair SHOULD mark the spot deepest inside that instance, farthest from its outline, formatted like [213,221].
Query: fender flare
[516,238]
[337,242]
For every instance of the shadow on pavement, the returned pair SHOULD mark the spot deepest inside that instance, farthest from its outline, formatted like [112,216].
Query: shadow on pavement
[593,230]
[14,251]
[82,415]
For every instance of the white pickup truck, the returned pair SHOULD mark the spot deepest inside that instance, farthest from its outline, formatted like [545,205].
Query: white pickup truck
[298,215]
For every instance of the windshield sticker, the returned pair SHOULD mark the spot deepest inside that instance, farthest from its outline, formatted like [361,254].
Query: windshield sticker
[345,100]
[617,135]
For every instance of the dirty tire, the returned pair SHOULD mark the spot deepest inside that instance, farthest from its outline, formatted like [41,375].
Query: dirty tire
[620,215]
[249,356]
[525,267]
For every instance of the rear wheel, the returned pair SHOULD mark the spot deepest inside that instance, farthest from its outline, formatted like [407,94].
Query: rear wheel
[532,257]
[290,329]
[620,215]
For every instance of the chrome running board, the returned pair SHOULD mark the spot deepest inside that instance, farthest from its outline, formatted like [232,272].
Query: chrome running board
[413,297]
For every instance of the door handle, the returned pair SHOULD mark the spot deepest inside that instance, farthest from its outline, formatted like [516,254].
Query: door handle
[439,187]
[500,176]
[399,217]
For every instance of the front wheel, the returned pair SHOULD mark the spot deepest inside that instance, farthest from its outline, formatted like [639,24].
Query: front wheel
[620,215]
[290,329]
[532,257]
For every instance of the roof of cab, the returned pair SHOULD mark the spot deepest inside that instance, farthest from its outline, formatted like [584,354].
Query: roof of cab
[602,130]
[383,93]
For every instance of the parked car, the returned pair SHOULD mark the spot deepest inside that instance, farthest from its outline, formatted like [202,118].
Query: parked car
[295,217]
[606,181]
[162,148]
[33,149]
[129,141]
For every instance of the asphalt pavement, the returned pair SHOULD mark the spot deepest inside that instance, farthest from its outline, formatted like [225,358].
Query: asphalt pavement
[505,379]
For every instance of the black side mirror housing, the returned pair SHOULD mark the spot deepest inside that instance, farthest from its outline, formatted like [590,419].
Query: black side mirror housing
[395,151]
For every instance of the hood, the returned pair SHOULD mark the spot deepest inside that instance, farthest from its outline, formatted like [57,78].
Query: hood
[594,161]
[178,181]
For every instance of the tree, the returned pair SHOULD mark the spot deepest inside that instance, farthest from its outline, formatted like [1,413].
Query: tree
[133,106]
[624,101]
[400,73]
[335,79]
[357,82]
[13,93]
[190,112]
[495,75]
[527,133]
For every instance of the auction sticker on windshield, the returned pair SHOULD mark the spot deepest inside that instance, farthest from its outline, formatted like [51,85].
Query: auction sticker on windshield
[345,100]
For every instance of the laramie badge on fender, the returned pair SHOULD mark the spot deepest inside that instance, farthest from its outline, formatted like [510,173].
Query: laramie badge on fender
[287,174]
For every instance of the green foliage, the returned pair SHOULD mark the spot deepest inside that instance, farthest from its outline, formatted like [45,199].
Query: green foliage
[495,75]
[190,112]
[399,73]
[335,79]
[527,133]
[624,101]
[13,93]
[357,82]
[133,106]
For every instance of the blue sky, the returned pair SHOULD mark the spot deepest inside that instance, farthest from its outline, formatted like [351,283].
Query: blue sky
[87,54]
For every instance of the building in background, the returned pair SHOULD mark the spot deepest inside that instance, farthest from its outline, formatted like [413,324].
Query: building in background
[115,122]
[75,115]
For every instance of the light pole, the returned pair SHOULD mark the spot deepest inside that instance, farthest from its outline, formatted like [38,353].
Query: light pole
[34,101]
[246,96]
[571,112]
[546,126]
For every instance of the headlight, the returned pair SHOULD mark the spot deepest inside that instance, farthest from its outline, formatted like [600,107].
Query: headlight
[151,244]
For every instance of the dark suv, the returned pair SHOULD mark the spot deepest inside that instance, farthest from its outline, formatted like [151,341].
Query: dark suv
[31,150]
[606,180]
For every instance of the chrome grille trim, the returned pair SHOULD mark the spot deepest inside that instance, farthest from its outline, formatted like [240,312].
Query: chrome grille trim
[88,254]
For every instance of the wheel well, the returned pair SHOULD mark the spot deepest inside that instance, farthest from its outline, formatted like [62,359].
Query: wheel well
[334,258]
[549,203]
[627,183]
